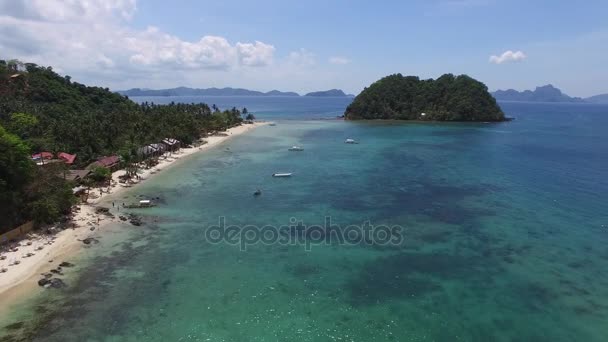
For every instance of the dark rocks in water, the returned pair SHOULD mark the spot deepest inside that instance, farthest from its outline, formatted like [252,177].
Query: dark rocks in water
[102,210]
[66,264]
[90,240]
[56,283]
[122,218]
[56,272]
[47,275]
[15,326]
[135,220]
[257,193]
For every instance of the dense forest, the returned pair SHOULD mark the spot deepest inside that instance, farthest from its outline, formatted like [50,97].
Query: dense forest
[43,111]
[448,98]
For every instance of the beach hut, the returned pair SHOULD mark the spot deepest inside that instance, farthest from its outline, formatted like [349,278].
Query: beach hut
[147,151]
[172,144]
[76,175]
[66,157]
[42,156]
[110,162]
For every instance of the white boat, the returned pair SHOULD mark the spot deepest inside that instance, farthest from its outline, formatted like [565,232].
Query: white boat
[281,174]
[296,148]
[350,141]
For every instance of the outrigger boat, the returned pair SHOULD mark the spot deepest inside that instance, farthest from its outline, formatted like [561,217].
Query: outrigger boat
[296,148]
[350,141]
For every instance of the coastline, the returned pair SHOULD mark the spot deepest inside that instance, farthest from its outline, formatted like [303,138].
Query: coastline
[21,281]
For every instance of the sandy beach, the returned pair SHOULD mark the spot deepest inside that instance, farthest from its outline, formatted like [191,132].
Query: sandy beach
[38,253]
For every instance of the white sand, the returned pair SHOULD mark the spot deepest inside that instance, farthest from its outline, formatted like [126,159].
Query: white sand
[21,279]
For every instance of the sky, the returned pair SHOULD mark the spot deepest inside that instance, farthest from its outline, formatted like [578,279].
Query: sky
[311,45]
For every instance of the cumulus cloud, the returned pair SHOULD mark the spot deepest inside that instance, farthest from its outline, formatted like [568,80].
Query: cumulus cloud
[339,60]
[63,10]
[257,54]
[93,37]
[508,56]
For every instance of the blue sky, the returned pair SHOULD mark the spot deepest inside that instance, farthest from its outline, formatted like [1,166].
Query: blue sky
[311,45]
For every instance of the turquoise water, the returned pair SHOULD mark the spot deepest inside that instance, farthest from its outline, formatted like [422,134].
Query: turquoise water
[504,238]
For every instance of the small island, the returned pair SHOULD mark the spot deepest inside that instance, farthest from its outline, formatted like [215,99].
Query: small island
[327,93]
[448,98]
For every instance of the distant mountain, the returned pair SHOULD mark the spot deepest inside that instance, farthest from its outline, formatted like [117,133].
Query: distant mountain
[546,93]
[603,98]
[185,91]
[328,93]
[281,93]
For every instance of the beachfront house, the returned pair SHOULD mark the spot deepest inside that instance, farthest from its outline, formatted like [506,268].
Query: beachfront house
[76,175]
[147,151]
[171,144]
[66,157]
[111,162]
[42,158]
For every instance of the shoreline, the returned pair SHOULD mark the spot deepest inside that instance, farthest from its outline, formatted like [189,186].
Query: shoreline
[21,281]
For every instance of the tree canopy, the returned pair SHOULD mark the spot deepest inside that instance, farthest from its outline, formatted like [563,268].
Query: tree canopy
[448,98]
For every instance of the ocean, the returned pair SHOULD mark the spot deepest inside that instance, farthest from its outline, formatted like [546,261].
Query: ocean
[479,232]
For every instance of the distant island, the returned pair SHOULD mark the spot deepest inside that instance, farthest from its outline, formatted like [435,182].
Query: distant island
[547,93]
[448,98]
[328,93]
[185,91]
[603,98]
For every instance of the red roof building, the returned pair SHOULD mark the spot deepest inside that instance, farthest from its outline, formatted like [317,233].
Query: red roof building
[42,155]
[108,161]
[67,158]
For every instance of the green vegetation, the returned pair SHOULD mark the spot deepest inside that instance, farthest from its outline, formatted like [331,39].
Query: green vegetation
[448,98]
[43,111]
[100,174]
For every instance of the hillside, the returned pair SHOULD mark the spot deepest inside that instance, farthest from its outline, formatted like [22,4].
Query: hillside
[448,98]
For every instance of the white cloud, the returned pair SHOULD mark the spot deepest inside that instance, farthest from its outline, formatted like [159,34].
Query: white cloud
[93,40]
[339,60]
[63,10]
[258,54]
[301,58]
[508,56]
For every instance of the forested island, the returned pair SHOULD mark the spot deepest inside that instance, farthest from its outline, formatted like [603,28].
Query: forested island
[43,113]
[448,98]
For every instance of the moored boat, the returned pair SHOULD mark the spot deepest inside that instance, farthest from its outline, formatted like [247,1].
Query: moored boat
[296,148]
[281,174]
